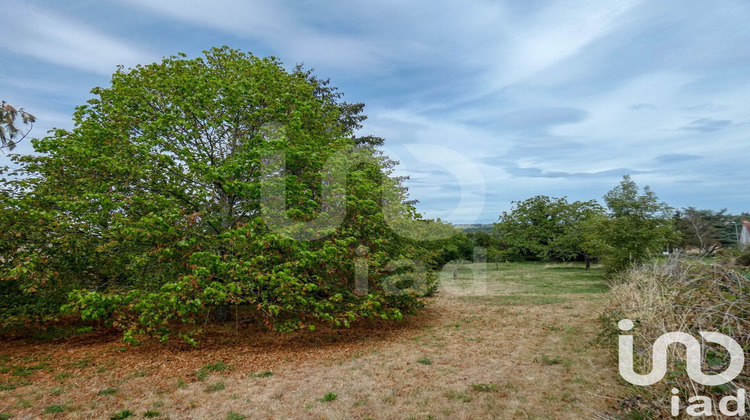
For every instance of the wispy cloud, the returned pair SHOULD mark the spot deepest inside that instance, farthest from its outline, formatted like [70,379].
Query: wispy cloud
[541,173]
[676,158]
[274,24]
[707,125]
[541,119]
[57,39]
[553,34]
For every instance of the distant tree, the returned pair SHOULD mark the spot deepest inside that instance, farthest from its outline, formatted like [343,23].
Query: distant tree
[496,255]
[637,226]
[454,267]
[708,230]
[454,245]
[530,227]
[700,228]
[481,241]
[481,238]
[10,133]
[546,228]
[570,243]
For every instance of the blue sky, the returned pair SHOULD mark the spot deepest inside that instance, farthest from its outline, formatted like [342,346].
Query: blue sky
[483,102]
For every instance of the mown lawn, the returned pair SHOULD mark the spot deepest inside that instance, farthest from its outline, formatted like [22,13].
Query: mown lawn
[527,282]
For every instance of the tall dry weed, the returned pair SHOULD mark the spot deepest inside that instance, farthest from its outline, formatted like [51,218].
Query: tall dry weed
[680,295]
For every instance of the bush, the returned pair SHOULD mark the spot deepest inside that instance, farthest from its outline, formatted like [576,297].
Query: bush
[677,295]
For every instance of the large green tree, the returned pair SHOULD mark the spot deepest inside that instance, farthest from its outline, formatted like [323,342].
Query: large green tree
[193,184]
[546,228]
[636,227]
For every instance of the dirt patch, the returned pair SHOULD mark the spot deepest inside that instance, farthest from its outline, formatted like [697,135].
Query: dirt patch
[463,359]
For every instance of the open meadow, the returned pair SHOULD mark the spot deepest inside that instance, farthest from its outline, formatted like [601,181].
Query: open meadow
[518,340]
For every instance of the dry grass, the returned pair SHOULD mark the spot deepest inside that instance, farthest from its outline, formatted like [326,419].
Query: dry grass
[500,355]
[680,295]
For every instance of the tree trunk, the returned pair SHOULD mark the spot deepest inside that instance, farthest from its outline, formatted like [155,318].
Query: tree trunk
[221,313]
[587,259]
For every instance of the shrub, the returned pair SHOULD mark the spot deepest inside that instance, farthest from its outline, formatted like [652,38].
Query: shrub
[677,295]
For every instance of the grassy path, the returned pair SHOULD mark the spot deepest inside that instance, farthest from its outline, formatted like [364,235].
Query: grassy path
[519,345]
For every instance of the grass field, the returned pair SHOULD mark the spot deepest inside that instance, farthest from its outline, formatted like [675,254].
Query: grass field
[508,341]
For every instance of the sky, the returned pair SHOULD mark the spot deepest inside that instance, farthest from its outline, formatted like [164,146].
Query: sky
[483,102]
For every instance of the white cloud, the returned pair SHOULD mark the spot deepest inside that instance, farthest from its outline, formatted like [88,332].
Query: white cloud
[273,24]
[31,31]
[377,38]
[554,34]
[258,18]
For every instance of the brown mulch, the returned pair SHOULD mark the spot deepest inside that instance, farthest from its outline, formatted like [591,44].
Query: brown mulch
[247,349]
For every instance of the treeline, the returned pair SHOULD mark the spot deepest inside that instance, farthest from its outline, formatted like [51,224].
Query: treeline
[632,226]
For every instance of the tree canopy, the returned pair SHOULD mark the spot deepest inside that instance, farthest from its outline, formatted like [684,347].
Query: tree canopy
[193,184]
[546,228]
[637,226]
